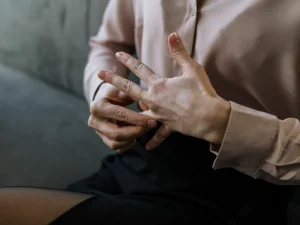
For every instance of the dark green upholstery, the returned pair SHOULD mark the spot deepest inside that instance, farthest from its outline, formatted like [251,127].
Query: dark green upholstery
[44,137]
[49,39]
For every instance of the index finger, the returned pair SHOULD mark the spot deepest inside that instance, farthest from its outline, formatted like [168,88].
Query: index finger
[120,113]
[137,67]
[124,85]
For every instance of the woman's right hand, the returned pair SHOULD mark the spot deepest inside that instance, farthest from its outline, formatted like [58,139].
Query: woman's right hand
[117,125]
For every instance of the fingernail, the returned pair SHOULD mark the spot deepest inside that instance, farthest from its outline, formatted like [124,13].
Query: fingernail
[102,74]
[119,55]
[174,38]
[152,123]
[148,147]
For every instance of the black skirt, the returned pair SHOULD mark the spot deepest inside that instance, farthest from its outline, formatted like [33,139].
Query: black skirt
[174,183]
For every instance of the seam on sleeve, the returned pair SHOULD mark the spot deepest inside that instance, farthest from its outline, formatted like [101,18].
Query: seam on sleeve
[269,150]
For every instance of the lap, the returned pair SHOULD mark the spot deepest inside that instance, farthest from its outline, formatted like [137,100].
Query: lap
[135,209]
[32,206]
[180,170]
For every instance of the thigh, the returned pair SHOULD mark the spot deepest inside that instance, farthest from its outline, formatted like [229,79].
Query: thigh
[108,209]
[32,206]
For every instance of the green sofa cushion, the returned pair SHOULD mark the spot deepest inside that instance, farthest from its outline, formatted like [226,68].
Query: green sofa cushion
[49,39]
[44,137]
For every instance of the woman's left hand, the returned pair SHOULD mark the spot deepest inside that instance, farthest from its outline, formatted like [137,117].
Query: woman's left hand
[187,104]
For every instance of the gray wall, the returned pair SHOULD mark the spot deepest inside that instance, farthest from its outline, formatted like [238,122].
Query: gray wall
[48,39]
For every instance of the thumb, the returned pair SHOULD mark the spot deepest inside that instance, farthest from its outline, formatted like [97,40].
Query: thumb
[178,51]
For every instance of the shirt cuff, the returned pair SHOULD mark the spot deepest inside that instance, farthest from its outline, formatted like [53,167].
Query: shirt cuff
[247,141]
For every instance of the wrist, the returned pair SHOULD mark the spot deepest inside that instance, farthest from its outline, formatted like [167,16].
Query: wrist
[221,113]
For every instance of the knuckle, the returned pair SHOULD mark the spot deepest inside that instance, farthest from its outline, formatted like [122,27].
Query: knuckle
[137,68]
[116,136]
[91,121]
[114,145]
[121,115]
[112,135]
[93,107]
[126,86]
[178,51]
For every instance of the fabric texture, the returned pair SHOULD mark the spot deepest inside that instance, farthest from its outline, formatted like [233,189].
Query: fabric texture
[248,57]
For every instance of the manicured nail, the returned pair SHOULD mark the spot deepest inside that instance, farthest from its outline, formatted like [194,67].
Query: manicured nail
[174,38]
[119,55]
[152,123]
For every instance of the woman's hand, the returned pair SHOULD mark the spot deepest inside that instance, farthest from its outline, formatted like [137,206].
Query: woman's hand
[116,125]
[187,104]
